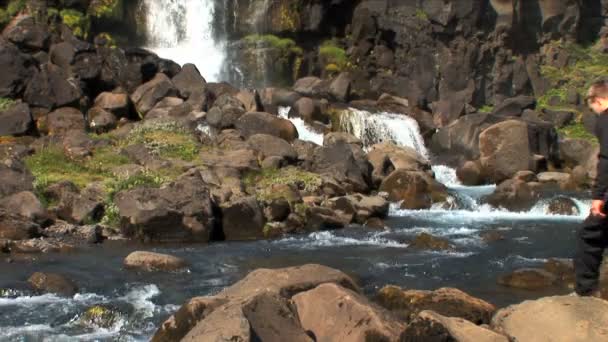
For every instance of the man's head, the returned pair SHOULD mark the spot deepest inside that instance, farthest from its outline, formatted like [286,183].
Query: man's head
[597,97]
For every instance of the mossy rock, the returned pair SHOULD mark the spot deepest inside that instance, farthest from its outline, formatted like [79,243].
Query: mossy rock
[78,22]
[109,9]
[100,316]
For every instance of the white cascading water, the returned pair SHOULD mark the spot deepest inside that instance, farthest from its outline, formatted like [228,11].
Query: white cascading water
[305,132]
[181,30]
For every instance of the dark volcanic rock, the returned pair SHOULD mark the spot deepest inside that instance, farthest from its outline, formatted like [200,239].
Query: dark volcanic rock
[16,120]
[51,88]
[264,123]
[53,283]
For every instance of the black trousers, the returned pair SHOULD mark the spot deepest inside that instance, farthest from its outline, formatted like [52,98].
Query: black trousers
[591,241]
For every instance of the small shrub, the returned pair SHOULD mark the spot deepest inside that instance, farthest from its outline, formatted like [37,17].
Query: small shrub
[486,109]
[6,103]
[77,21]
[332,54]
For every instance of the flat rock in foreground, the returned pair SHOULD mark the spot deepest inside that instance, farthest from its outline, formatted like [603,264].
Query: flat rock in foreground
[565,318]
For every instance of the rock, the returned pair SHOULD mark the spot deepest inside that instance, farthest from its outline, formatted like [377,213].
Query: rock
[16,120]
[512,194]
[223,324]
[179,211]
[189,81]
[562,179]
[25,204]
[40,245]
[333,313]
[345,163]
[427,241]
[225,112]
[118,104]
[563,269]
[504,150]
[445,301]
[17,68]
[149,262]
[71,232]
[100,316]
[16,227]
[386,158]
[340,87]
[150,93]
[285,282]
[53,283]
[525,176]
[416,189]
[15,177]
[74,205]
[567,318]
[528,278]
[62,54]
[50,88]
[242,219]
[514,106]
[334,138]
[241,159]
[271,146]
[264,123]
[250,100]
[24,32]
[308,86]
[100,120]
[492,236]
[562,206]
[323,218]
[431,326]
[470,173]
[575,152]
[273,318]
[558,118]
[64,120]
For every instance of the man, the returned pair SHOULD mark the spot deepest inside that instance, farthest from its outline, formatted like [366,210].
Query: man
[592,236]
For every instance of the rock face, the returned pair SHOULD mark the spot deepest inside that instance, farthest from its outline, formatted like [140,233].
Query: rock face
[333,313]
[180,211]
[504,149]
[346,164]
[148,261]
[16,120]
[567,318]
[258,303]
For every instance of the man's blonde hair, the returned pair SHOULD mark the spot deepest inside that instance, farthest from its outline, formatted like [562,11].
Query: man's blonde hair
[597,89]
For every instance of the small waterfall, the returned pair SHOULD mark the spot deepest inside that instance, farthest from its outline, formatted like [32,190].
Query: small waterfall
[305,132]
[181,30]
[372,129]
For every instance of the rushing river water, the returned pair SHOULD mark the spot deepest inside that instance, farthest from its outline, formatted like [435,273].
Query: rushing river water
[374,258]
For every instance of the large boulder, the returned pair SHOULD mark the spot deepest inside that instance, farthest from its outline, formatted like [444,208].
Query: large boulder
[226,110]
[416,189]
[179,211]
[445,301]
[431,326]
[567,318]
[221,309]
[16,227]
[150,93]
[222,324]
[149,261]
[15,177]
[333,313]
[576,152]
[64,120]
[271,146]
[118,103]
[73,205]
[24,32]
[189,81]
[16,120]
[25,204]
[386,158]
[242,219]
[17,70]
[345,163]
[264,123]
[53,283]
[504,150]
[51,88]
[512,194]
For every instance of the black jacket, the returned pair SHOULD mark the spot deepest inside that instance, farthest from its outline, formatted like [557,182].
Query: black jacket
[601,181]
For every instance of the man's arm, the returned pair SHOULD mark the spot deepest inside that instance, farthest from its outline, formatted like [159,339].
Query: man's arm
[600,185]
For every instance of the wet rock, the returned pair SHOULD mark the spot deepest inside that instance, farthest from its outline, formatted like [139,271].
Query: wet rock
[431,326]
[470,173]
[528,278]
[504,150]
[563,269]
[150,93]
[264,123]
[492,236]
[179,211]
[416,189]
[27,205]
[429,242]
[15,177]
[387,157]
[118,104]
[512,194]
[53,283]
[563,206]
[375,223]
[445,301]
[271,146]
[323,218]
[63,120]
[16,227]
[567,318]
[40,246]
[149,262]
[333,138]
[332,312]
[100,316]
[16,120]
[309,110]
[242,219]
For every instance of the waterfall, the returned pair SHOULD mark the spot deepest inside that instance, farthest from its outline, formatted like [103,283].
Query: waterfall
[305,132]
[372,129]
[181,30]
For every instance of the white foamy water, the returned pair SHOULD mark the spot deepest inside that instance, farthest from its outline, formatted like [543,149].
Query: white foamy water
[375,128]
[305,132]
[181,30]
[329,239]
[446,175]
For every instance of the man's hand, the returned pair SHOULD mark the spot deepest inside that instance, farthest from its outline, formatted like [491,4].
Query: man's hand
[597,208]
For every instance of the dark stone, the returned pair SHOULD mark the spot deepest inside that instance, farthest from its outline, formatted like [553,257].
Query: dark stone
[264,123]
[50,88]
[15,177]
[189,81]
[514,106]
[16,120]
[27,34]
[53,283]
[340,162]
[17,70]
[242,219]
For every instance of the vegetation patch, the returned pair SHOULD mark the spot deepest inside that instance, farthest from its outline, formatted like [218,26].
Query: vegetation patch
[6,103]
[486,109]
[106,9]
[166,139]
[261,183]
[78,22]
[577,131]
[286,45]
[333,57]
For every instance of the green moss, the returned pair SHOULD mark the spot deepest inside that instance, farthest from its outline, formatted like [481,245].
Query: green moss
[269,40]
[14,7]
[333,56]
[261,183]
[167,139]
[544,102]
[100,316]
[577,131]
[288,17]
[106,9]
[6,103]
[486,109]
[77,21]
[421,14]
[51,165]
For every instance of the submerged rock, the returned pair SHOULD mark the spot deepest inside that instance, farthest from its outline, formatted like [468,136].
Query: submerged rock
[100,316]
[528,278]
[430,242]
[53,283]
[563,206]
